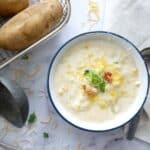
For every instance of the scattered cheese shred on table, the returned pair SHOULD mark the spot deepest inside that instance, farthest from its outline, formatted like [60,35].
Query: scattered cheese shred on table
[80,147]
[46,121]
[93,13]
[19,73]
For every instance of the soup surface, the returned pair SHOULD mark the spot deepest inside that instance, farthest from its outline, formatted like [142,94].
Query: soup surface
[96,80]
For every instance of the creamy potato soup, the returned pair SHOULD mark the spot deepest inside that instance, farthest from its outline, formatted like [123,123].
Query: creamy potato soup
[96,80]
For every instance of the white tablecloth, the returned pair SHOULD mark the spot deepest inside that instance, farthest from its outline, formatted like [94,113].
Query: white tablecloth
[32,76]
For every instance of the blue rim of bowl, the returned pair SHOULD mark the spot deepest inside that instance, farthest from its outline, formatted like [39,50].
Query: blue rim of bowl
[49,70]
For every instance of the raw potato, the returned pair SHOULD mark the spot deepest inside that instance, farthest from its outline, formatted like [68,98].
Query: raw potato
[30,25]
[11,7]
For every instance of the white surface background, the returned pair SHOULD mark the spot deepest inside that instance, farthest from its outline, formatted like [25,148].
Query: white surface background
[32,75]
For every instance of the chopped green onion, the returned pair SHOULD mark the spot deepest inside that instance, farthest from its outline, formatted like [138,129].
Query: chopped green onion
[95,79]
[45,135]
[25,57]
[32,118]
[102,86]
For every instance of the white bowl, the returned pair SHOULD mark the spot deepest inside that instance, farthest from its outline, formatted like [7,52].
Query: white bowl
[122,118]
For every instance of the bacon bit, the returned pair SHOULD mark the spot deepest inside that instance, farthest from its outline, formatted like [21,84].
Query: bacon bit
[90,91]
[108,77]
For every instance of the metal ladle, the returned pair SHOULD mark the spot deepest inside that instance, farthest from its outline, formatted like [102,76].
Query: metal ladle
[14,105]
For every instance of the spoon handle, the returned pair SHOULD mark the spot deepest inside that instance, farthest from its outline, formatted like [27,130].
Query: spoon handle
[135,121]
[133,126]
[7,147]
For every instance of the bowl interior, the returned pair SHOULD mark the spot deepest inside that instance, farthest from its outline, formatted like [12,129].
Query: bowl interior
[121,118]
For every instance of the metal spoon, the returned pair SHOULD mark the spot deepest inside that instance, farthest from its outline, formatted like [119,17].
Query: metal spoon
[135,121]
[133,126]
[146,54]
[14,105]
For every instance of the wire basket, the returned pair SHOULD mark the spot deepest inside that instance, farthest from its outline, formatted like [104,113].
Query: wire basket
[6,57]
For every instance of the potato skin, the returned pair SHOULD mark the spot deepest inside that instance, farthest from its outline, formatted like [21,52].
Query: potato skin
[30,25]
[12,7]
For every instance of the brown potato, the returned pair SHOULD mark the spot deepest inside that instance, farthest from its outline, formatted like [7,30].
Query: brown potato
[30,25]
[11,7]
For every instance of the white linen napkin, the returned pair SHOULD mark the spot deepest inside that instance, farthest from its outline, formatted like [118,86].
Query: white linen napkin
[131,19]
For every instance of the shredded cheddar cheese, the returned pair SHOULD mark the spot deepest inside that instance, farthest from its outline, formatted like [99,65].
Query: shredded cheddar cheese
[93,13]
